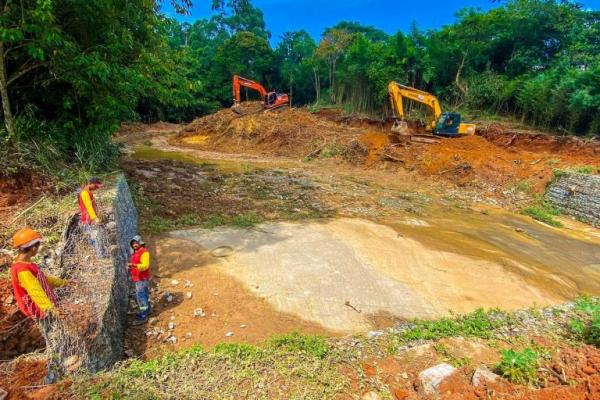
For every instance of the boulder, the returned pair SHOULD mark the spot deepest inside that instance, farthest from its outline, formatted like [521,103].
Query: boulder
[430,379]
[483,375]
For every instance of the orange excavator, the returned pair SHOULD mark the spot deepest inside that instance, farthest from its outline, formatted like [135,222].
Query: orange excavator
[271,100]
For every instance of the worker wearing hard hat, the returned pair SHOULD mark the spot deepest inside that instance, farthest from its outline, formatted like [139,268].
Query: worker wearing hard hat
[139,265]
[90,220]
[34,290]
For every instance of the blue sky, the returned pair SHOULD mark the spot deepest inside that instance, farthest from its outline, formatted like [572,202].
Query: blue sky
[388,15]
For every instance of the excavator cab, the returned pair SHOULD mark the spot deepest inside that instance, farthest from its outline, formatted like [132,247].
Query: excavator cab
[448,124]
[275,100]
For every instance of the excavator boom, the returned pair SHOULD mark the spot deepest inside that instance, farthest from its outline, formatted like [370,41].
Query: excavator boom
[441,124]
[271,100]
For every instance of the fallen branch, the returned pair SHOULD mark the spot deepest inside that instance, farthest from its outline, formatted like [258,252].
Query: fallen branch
[26,210]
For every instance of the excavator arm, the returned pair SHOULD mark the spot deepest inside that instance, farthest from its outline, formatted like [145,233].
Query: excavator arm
[271,100]
[238,82]
[441,124]
[399,92]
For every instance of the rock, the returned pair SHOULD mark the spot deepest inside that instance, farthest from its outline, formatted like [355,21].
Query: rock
[188,295]
[172,340]
[404,375]
[168,297]
[198,312]
[153,320]
[9,299]
[172,318]
[371,396]
[174,282]
[229,334]
[3,394]
[171,326]
[430,379]
[188,335]
[188,284]
[374,334]
[400,394]
[519,230]
[483,375]
[72,364]
[242,326]
[129,353]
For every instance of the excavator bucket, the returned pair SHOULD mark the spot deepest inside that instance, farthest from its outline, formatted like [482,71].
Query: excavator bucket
[400,127]
[237,109]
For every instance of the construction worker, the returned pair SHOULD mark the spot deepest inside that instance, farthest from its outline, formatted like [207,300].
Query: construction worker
[90,220]
[139,265]
[34,291]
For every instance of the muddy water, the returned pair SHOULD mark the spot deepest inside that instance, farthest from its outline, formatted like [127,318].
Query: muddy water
[565,262]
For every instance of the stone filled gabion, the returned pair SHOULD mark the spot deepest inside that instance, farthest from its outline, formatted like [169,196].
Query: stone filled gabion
[89,335]
[577,195]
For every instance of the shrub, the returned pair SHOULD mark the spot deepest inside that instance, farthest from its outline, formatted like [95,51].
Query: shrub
[519,367]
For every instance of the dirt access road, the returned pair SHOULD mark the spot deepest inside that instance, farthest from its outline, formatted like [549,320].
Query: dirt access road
[327,246]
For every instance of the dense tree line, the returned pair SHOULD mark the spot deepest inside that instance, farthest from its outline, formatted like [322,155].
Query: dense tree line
[72,70]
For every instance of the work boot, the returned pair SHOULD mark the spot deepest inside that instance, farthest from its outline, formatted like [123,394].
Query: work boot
[140,321]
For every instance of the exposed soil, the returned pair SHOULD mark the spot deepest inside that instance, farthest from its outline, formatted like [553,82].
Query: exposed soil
[227,305]
[18,334]
[18,191]
[500,161]
[18,377]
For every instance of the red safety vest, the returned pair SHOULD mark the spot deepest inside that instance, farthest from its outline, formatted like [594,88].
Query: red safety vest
[136,258]
[26,305]
[85,216]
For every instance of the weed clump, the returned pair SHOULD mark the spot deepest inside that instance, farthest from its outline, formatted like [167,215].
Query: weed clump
[544,213]
[586,325]
[519,367]
[295,342]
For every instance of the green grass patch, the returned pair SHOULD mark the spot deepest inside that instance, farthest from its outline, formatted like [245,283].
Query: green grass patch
[586,324]
[214,221]
[476,324]
[523,186]
[519,366]
[246,220]
[161,224]
[544,213]
[314,345]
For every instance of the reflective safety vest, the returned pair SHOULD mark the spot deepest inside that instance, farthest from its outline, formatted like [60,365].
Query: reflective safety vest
[136,259]
[24,301]
[85,215]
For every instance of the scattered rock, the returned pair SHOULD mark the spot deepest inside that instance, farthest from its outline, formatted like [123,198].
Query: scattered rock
[172,340]
[370,396]
[3,394]
[171,326]
[129,353]
[174,282]
[404,375]
[168,297]
[172,318]
[242,326]
[9,299]
[229,334]
[483,375]
[188,284]
[374,334]
[153,320]
[198,312]
[188,295]
[430,379]
[519,230]
[188,335]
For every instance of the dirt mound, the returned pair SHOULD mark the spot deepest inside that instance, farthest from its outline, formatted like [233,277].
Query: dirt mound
[18,335]
[18,377]
[286,132]
[505,137]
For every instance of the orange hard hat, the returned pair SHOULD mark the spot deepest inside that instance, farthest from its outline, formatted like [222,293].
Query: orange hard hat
[26,237]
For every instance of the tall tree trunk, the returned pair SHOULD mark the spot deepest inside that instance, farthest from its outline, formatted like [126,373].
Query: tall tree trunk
[460,87]
[332,85]
[317,85]
[8,117]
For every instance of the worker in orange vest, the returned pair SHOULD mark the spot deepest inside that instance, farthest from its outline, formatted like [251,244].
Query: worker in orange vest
[139,266]
[90,220]
[34,291]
